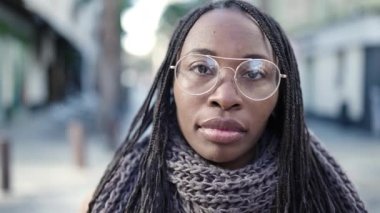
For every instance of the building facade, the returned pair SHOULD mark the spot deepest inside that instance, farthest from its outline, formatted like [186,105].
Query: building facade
[337,44]
[340,71]
[38,64]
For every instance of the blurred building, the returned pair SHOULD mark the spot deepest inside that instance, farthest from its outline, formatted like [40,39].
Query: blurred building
[78,22]
[37,65]
[337,44]
[48,52]
[341,70]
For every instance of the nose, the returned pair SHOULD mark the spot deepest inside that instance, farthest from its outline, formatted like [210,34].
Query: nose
[226,95]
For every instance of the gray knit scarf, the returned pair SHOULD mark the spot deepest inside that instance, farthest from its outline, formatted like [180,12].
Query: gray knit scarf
[202,187]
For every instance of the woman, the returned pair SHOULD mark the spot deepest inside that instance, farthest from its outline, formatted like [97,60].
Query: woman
[227,128]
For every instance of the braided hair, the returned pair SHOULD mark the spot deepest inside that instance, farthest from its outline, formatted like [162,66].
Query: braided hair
[303,185]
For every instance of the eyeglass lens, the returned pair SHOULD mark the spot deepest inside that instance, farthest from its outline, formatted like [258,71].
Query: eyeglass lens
[255,78]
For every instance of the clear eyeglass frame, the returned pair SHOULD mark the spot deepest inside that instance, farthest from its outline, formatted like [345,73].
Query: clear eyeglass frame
[218,68]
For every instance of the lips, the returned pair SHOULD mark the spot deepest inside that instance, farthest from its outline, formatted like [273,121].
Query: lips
[222,130]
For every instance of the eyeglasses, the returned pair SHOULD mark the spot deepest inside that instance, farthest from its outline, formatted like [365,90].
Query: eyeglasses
[257,79]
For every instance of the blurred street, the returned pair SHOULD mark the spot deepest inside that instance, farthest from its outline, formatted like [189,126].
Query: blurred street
[44,177]
[90,61]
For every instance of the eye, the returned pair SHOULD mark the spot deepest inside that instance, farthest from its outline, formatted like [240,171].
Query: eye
[254,74]
[202,69]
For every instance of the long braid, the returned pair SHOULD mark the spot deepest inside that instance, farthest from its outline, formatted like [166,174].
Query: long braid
[288,158]
[150,193]
[301,174]
[153,161]
[303,185]
[142,120]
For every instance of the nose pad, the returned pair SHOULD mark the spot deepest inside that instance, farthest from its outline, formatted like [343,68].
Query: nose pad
[225,94]
[224,75]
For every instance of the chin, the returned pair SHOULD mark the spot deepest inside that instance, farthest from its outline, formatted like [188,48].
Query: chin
[219,157]
[225,157]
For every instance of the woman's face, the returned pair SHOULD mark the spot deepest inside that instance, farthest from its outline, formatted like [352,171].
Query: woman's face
[223,126]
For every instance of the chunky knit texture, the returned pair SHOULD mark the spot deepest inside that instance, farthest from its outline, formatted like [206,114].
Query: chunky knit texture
[199,186]
[115,193]
[204,187]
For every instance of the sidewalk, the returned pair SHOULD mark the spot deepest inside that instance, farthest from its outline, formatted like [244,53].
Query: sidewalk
[44,177]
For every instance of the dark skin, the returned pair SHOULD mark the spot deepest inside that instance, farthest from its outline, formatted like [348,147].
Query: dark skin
[225,33]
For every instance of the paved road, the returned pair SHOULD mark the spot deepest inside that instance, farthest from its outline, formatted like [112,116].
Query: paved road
[45,179]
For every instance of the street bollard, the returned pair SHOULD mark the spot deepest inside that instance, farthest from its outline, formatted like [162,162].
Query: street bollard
[5,164]
[77,142]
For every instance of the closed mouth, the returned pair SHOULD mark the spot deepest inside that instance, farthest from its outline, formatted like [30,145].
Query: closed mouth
[222,131]
[223,124]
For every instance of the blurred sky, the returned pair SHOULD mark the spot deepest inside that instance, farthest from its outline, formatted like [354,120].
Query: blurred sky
[140,37]
[140,34]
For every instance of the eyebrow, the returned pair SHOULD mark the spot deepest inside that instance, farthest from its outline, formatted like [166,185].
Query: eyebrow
[202,51]
[205,51]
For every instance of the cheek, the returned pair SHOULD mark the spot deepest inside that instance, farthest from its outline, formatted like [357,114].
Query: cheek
[260,112]
[187,106]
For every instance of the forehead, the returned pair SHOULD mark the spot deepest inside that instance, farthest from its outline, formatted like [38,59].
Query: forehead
[228,33]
